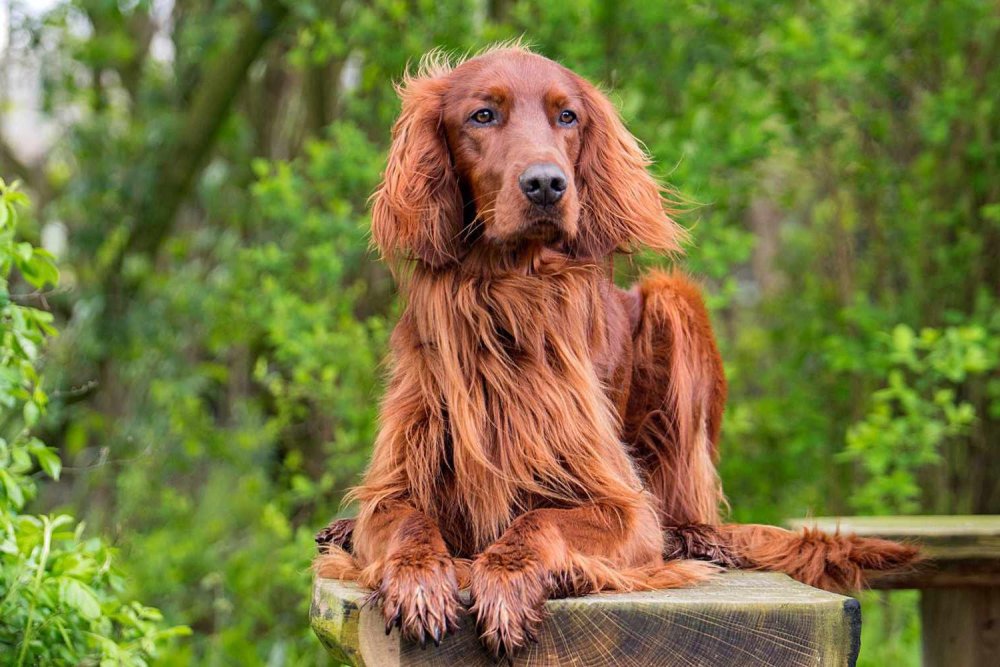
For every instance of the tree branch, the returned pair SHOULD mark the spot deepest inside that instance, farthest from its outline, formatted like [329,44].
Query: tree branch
[179,163]
[138,27]
[174,170]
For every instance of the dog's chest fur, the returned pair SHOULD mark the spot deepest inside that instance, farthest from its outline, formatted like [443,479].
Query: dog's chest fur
[519,364]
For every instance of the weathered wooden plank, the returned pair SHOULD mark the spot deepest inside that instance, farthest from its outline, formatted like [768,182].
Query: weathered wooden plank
[741,618]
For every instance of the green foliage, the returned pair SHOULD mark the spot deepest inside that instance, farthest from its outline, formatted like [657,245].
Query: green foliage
[919,413]
[289,341]
[890,632]
[60,594]
[23,333]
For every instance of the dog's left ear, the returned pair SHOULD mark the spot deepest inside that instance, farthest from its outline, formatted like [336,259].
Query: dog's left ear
[623,206]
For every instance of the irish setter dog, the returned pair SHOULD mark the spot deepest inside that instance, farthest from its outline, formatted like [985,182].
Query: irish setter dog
[543,433]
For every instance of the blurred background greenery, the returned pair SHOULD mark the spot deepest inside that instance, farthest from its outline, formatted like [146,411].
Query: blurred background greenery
[199,170]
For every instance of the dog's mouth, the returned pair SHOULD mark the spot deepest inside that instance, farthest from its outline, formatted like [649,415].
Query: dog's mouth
[544,230]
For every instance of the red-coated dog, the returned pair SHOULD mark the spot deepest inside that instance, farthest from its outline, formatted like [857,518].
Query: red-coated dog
[544,433]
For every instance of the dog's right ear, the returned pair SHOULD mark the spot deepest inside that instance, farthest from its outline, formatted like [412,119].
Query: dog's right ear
[417,209]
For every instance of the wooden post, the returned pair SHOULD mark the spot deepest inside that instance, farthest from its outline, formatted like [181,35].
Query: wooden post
[961,626]
[740,619]
[959,581]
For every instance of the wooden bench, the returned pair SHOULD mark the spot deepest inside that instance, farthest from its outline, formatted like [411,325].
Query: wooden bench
[959,581]
[741,619]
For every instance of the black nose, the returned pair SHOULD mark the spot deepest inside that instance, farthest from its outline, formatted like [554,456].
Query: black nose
[543,183]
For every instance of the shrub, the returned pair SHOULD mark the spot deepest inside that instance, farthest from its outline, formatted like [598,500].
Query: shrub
[60,594]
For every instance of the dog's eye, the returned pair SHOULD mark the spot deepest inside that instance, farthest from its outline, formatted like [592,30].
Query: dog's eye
[567,118]
[483,117]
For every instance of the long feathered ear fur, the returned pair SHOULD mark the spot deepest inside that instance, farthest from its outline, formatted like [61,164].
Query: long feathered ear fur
[417,209]
[623,206]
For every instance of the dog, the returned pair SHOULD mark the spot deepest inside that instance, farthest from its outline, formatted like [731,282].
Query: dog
[543,433]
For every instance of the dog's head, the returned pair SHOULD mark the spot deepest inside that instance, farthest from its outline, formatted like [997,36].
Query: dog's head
[510,148]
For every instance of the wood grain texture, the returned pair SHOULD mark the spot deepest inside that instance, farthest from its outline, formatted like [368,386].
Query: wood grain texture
[741,618]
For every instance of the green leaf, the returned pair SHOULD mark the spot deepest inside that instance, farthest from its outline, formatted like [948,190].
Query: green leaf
[49,461]
[31,413]
[24,251]
[12,488]
[79,596]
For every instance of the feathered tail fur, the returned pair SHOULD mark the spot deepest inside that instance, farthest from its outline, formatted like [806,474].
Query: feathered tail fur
[831,561]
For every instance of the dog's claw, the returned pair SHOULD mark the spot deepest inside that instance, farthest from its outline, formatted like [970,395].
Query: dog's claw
[420,597]
[393,621]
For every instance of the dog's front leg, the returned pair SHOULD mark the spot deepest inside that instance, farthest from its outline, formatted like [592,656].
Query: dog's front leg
[549,552]
[411,571]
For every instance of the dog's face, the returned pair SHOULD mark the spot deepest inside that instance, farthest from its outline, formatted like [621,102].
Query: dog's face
[514,131]
[507,149]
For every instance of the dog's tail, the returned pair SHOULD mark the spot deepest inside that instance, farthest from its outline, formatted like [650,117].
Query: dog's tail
[832,561]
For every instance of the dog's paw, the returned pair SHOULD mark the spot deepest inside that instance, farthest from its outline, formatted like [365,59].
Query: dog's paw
[699,541]
[509,588]
[419,595]
[339,533]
